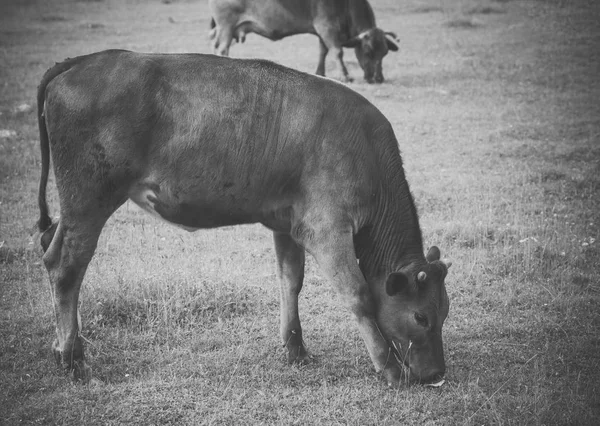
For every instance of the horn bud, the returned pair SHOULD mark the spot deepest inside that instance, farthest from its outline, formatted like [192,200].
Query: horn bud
[447,263]
[421,276]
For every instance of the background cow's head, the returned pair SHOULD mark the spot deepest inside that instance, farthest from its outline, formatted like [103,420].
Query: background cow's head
[411,316]
[370,47]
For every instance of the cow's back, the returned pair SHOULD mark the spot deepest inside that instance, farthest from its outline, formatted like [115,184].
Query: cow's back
[234,141]
[273,19]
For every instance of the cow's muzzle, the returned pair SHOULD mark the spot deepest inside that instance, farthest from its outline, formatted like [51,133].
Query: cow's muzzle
[376,78]
[426,376]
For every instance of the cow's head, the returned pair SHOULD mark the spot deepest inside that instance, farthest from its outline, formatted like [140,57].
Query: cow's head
[370,47]
[411,316]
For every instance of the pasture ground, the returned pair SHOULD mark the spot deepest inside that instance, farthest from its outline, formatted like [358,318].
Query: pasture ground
[496,106]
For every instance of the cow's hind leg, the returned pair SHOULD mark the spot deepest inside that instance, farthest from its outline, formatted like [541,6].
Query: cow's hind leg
[323,49]
[66,258]
[290,271]
[222,40]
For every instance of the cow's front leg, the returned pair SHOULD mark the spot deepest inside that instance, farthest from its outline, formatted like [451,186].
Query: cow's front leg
[290,271]
[337,259]
[381,354]
[339,54]
[329,41]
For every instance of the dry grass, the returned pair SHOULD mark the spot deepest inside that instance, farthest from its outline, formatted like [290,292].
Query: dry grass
[499,126]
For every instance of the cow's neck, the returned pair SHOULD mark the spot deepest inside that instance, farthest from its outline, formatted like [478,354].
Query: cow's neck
[393,241]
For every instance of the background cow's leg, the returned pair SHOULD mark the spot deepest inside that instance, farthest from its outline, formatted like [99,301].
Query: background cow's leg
[337,259]
[338,52]
[223,40]
[290,271]
[66,260]
[323,49]
[331,41]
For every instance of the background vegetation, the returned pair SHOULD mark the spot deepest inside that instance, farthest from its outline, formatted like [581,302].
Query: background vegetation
[496,107]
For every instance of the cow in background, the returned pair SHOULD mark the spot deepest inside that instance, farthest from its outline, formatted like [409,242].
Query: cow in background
[337,23]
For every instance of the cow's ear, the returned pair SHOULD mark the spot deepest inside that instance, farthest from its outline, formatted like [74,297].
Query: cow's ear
[433,254]
[353,42]
[397,282]
[392,41]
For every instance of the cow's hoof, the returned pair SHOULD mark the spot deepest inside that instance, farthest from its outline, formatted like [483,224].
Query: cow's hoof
[347,79]
[81,372]
[299,356]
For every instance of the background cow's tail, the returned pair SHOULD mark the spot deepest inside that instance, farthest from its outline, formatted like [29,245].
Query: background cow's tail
[45,221]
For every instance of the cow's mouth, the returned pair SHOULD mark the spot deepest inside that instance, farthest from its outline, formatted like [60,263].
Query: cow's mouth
[397,351]
[436,380]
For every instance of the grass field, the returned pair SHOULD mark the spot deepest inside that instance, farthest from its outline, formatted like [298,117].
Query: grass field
[496,106]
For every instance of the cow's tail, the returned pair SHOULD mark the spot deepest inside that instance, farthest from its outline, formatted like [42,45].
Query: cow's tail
[45,222]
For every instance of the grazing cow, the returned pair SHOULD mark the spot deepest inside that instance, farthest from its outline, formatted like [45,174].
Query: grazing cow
[203,141]
[337,23]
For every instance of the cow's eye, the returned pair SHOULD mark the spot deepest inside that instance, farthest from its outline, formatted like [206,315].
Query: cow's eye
[421,320]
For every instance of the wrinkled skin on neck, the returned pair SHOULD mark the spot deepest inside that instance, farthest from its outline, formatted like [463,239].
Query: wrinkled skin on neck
[371,47]
[410,315]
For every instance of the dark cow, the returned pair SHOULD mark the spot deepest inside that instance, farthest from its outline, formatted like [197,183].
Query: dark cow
[204,141]
[337,23]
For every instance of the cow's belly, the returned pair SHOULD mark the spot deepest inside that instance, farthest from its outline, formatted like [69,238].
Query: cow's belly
[275,21]
[189,213]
